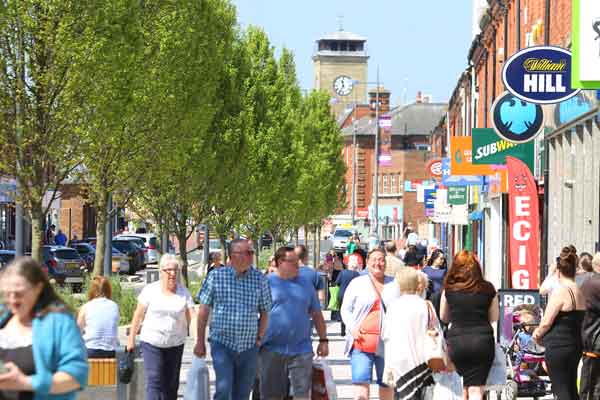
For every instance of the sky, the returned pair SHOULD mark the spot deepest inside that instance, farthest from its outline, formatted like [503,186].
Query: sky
[419,45]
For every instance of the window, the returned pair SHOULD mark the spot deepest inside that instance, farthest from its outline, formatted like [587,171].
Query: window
[393,183]
[385,184]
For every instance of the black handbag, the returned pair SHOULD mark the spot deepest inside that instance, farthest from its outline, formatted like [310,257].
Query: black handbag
[125,366]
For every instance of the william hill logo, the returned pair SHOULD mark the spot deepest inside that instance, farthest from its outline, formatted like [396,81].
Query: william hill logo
[493,148]
[544,75]
[540,75]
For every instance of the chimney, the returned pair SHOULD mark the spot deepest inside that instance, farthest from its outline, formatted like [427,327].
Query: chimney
[384,100]
[419,97]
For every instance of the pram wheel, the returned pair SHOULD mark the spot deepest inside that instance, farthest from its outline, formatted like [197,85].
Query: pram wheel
[510,390]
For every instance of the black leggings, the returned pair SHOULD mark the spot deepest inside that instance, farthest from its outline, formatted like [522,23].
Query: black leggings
[562,368]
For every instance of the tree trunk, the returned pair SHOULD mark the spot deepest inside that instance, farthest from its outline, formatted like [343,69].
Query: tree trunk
[224,250]
[37,222]
[275,240]
[315,250]
[101,219]
[318,243]
[182,239]
[256,253]
[297,233]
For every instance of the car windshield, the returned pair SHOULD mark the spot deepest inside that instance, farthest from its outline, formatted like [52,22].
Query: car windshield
[342,233]
[67,254]
[153,242]
[82,249]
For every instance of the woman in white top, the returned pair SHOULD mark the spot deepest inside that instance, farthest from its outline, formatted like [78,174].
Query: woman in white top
[404,330]
[165,308]
[98,319]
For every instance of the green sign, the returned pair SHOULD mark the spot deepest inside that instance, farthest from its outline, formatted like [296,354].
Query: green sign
[457,195]
[489,148]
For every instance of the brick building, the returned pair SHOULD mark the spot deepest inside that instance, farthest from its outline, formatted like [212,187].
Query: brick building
[501,28]
[412,125]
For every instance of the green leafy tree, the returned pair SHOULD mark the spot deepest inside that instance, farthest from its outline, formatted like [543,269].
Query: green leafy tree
[42,105]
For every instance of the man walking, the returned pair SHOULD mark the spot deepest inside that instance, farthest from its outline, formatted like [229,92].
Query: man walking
[236,294]
[286,353]
[392,263]
[309,273]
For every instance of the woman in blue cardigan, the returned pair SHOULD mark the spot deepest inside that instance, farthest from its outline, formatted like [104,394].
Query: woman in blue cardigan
[41,349]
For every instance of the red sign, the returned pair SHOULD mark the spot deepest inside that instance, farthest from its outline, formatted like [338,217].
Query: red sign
[395,214]
[362,212]
[434,168]
[524,223]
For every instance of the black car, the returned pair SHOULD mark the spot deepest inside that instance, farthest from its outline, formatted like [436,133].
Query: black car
[266,240]
[132,251]
[87,252]
[6,256]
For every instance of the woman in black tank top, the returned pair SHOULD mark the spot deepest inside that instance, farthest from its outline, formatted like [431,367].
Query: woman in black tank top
[560,331]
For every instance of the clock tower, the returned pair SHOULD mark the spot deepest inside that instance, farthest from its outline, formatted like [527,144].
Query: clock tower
[340,65]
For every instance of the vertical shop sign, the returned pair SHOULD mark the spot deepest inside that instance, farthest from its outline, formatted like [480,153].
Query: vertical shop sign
[385,143]
[524,226]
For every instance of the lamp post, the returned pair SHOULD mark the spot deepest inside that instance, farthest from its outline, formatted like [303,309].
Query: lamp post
[354,155]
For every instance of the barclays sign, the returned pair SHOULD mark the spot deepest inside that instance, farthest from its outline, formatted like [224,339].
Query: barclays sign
[540,75]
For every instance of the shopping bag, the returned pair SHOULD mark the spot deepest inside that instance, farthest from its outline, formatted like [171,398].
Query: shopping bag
[434,343]
[323,385]
[197,386]
[497,375]
[334,301]
[125,364]
[448,386]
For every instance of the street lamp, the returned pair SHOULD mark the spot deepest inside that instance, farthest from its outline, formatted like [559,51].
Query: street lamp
[354,155]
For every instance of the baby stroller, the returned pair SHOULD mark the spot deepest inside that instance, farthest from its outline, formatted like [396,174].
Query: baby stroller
[527,376]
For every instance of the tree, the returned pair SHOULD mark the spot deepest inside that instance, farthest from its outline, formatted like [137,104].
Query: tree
[41,104]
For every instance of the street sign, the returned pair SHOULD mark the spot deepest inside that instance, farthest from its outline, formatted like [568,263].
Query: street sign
[516,120]
[457,195]
[539,75]
[434,168]
[489,148]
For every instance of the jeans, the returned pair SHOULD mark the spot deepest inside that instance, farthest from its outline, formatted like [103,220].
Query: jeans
[161,367]
[235,371]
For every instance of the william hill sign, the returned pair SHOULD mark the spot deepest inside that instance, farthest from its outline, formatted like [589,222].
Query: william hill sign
[540,75]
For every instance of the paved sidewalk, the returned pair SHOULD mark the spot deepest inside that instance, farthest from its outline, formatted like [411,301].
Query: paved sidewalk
[340,365]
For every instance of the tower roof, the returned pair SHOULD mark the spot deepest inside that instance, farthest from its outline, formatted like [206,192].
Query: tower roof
[343,35]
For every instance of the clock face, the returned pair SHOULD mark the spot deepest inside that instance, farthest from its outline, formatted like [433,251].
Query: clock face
[343,85]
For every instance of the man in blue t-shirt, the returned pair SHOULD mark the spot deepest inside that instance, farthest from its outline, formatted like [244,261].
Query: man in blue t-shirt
[286,351]
[309,273]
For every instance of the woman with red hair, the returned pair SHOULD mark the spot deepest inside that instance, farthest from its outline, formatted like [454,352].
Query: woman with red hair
[470,304]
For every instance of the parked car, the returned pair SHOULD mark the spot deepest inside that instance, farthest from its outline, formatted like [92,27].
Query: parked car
[87,252]
[65,265]
[265,241]
[149,242]
[340,239]
[133,252]
[6,256]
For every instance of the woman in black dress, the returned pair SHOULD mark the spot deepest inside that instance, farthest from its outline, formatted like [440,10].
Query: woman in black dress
[560,329]
[470,304]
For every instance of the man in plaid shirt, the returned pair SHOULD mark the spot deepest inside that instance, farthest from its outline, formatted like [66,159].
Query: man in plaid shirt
[240,300]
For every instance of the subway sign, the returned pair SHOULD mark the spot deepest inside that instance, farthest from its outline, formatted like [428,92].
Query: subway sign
[540,75]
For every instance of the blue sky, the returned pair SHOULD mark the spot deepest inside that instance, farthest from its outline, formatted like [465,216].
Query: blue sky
[418,44]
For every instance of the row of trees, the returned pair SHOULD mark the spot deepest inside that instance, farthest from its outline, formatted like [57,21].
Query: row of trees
[168,107]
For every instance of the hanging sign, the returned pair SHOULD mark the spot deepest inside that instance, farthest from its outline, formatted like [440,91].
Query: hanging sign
[385,144]
[539,75]
[489,148]
[434,168]
[586,44]
[516,120]
[524,223]
[571,109]
[457,195]
[430,196]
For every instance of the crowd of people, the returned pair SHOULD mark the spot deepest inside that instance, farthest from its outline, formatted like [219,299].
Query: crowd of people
[261,324]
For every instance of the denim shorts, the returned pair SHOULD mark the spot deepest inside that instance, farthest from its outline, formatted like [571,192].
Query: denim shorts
[362,367]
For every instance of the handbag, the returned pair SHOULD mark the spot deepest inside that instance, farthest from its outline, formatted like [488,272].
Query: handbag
[125,366]
[323,385]
[334,301]
[498,372]
[197,385]
[435,345]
